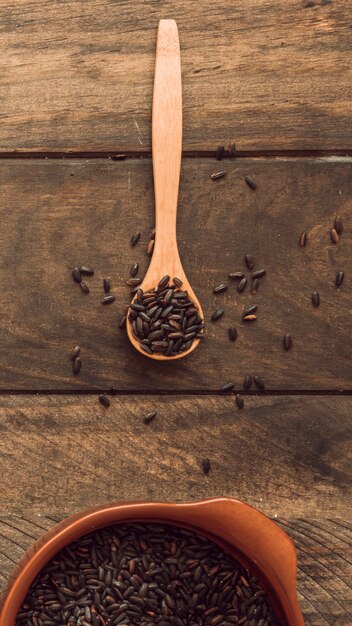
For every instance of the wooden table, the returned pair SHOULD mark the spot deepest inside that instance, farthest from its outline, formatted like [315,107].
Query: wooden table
[275,77]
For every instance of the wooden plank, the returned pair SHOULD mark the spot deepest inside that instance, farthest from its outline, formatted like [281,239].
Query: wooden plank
[324,572]
[324,562]
[288,456]
[272,75]
[56,214]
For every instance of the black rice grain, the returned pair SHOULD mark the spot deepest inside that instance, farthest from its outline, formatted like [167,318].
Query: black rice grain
[76,274]
[250,182]
[206,465]
[236,275]
[139,296]
[217,315]
[232,333]
[255,285]
[177,281]
[149,417]
[338,225]
[218,175]
[303,239]
[250,309]
[242,285]
[86,271]
[339,278]
[134,269]
[258,274]
[287,341]
[239,401]
[104,400]
[247,383]
[249,261]
[75,352]
[220,288]
[134,282]
[259,382]
[146,348]
[77,364]
[227,387]
[150,247]
[335,237]
[163,283]
[122,322]
[106,285]
[315,299]
[84,286]
[108,299]
[135,239]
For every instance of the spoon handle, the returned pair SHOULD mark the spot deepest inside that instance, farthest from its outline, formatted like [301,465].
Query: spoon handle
[166,140]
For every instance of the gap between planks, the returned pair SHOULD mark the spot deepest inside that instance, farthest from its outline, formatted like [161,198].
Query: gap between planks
[240,154]
[176,392]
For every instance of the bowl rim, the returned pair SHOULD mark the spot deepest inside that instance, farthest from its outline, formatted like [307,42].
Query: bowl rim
[92,518]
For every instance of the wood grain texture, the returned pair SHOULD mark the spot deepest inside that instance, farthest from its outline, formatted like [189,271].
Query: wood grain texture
[269,75]
[324,561]
[327,574]
[56,214]
[286,455]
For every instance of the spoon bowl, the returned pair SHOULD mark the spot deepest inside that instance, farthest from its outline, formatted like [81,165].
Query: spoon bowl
[167,151]
[149,283]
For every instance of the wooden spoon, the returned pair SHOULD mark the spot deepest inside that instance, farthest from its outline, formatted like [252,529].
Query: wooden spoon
[167,149]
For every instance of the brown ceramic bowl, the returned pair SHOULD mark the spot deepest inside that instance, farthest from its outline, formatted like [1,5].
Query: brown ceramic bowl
[247,534]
